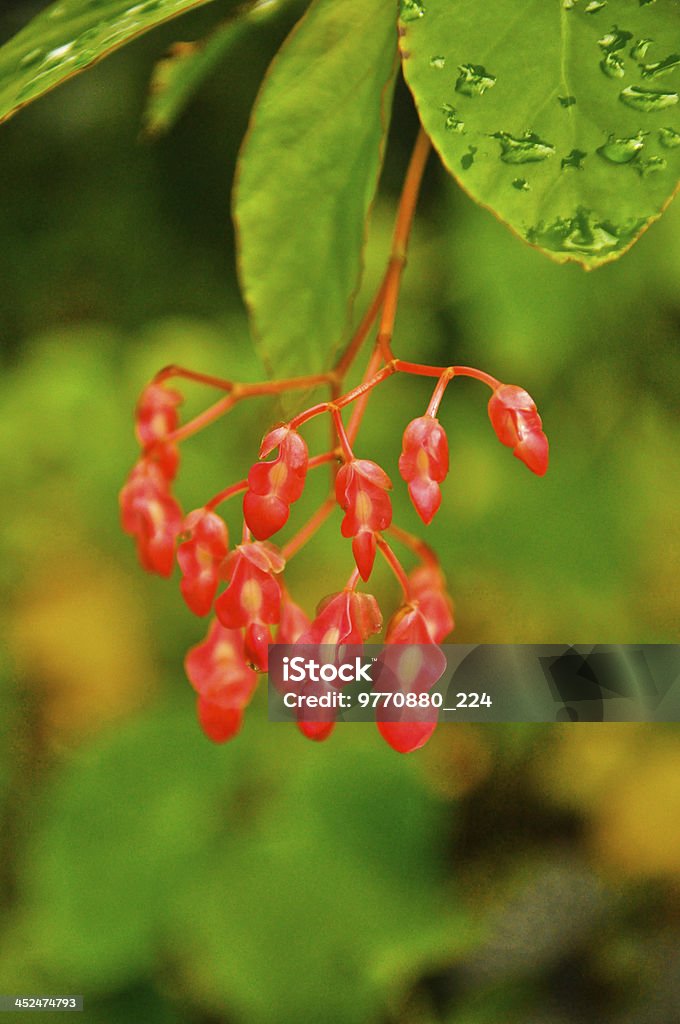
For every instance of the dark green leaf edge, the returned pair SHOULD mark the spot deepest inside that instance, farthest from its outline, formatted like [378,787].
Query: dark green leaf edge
[386,112]
[100,56]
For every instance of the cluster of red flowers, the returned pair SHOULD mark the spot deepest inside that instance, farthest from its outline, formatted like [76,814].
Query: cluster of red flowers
[223,668]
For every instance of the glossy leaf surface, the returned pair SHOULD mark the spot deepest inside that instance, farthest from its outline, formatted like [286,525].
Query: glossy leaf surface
[307,176]
[68,37]
[563,118]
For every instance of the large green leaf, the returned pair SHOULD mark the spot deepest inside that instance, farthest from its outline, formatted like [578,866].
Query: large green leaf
[561,116]
[68,37]
[307,175]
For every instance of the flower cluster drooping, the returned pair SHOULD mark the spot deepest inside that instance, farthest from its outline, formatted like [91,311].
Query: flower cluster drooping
[244,588]
[254,607]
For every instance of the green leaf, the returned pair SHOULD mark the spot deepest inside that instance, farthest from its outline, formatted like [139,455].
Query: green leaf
[562,118]
[307,176]
[68,37]
[177,77]
[120,826]
[344,867]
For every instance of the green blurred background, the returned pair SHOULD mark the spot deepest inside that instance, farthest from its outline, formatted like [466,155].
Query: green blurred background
[502,874]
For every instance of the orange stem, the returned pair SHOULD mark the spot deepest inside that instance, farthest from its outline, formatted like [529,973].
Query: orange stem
[342,434]
[402,230]
[395,565]
[419,548]
[439,390]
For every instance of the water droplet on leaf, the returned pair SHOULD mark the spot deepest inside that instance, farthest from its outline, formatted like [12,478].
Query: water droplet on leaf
[612,65]
[467,160]
[411,10]
[660,67]
[669,138]
[639,51]
[452,122]
[574,159]
[614,40]
[651,165]
[57,53]
[521,184]
[526,150]
[648,100]
[594,6]
[566,101]
[437,62]
[474,80]
[622,151]
[30,58]
[583,233]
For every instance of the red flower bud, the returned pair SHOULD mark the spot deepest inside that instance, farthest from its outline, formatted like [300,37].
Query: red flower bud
[253,597]
[429,588]
[274,486]
[218,672]
[517,424]
[408,626]
[344,618]
[424,463]
[256,642]
[316,731]
[413,671]
[199,557]
[293,623]
[165,456]
[156,414]
[151,515]
[361,491]
[219,723]
[405,737]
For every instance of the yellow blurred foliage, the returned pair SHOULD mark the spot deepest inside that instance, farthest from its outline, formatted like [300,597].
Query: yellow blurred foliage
[637,828]
[625,779]
[77,636]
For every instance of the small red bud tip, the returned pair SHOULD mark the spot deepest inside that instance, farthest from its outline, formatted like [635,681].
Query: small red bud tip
[412,670]
[217,670]
[361,490]
[515,419]
[405,737]
[151,515]
[424,463]
[199,559]
[217,722]
[274,486]
[316,731]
